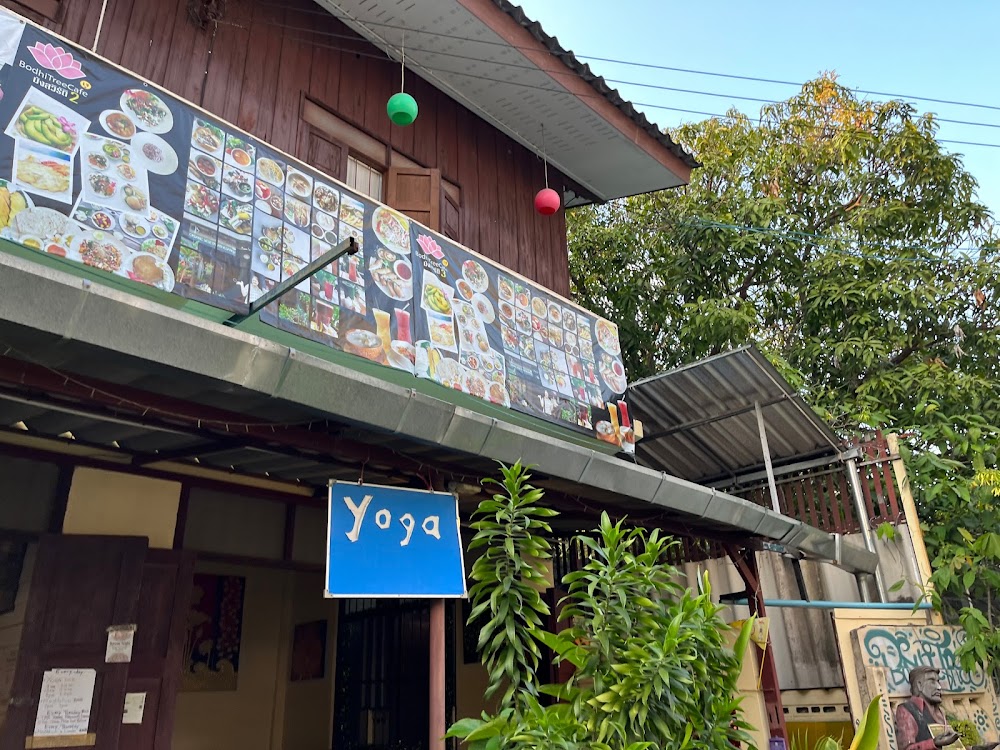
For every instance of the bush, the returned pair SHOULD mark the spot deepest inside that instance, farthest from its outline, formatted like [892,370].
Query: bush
[652,668]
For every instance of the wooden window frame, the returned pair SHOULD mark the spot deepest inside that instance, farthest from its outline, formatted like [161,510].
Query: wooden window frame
[382,171]
[41,10]
[358,143]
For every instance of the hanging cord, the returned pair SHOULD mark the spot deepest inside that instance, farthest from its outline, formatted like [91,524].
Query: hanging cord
[402,62]
[545,158]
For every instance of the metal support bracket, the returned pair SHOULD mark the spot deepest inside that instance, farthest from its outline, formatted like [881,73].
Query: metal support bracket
[771,484]
[347,247]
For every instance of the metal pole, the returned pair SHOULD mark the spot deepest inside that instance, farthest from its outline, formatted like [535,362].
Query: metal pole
[347,247]
[851,467]
[436,700]
[820,604]
[767,458]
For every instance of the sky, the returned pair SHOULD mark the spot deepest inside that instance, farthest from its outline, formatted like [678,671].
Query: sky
[945,51]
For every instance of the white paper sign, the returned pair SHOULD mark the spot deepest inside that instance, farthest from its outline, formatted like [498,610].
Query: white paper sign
[11,29]
[120,642]
[135,706]
[65,702]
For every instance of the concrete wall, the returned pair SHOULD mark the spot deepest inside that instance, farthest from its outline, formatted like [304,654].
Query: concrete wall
[308,716]
[246,718]
[804,641]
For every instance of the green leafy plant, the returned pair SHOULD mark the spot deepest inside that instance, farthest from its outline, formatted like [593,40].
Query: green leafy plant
[886,532]
[650,656]
[652,664]
[966,730]
[510,530]
[866,736]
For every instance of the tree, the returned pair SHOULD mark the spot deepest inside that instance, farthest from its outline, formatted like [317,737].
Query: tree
[843,238]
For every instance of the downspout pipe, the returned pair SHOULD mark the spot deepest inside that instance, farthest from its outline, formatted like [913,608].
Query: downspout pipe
[851,467]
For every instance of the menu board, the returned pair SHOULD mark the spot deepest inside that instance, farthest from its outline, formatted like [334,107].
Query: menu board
[497,336]
[100,168]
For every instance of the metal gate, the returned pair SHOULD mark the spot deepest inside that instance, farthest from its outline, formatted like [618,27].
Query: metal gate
[380,699]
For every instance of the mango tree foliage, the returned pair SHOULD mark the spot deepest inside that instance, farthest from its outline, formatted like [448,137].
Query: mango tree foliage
[845,240]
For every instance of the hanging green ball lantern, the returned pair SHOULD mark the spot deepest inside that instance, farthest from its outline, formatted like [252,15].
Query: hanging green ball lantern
[402,109]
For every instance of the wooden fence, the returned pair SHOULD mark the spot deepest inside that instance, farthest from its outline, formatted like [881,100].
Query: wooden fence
[822,497]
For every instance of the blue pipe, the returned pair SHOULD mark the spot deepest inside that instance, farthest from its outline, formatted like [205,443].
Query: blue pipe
[803,604]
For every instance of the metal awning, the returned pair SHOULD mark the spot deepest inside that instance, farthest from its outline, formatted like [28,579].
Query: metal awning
[62,323]
[701,420]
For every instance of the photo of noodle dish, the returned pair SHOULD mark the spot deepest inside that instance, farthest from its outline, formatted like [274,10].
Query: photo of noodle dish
[475,384]
[475,274]
[450,374]
[607,337]
[392,229]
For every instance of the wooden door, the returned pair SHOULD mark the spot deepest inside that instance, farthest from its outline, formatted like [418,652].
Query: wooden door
[81,586]
[158,654]
[417,193]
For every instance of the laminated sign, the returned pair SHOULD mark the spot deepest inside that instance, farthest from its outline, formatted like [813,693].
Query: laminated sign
[391,542]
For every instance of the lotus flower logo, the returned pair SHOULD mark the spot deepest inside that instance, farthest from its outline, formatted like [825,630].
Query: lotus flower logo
[56,59]
[430,247]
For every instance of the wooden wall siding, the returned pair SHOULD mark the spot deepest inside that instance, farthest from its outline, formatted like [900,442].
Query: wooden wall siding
[254,67]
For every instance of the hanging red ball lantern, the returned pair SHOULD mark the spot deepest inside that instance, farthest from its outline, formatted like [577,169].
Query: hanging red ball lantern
[547,201]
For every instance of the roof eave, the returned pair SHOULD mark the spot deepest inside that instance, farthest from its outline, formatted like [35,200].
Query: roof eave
[93,315]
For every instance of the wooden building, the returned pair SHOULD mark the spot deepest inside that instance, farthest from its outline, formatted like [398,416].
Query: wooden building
[165,471]
[302,79]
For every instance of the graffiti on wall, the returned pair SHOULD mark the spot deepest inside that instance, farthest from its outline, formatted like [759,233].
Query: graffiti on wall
[900,649]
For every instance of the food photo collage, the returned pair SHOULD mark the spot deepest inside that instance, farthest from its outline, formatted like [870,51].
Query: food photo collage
[79,187]
[498,337]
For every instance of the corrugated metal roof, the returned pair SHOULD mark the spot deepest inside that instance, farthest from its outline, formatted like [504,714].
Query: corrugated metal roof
[595,81]
[700,422]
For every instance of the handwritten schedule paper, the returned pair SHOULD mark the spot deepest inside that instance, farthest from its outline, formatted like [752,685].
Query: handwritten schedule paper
[65,702]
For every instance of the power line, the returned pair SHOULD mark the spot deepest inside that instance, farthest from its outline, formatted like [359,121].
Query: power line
[964,253]
[629,63]
[756,79]
[639,84]
[382,58]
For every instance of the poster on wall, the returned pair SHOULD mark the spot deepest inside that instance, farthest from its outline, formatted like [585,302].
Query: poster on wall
[215,632]
[102,169]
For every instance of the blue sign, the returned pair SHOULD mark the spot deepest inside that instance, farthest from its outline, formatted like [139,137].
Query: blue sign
[386,541]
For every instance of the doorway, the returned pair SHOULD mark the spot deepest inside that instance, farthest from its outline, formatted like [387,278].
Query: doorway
[81,587]
[381,695]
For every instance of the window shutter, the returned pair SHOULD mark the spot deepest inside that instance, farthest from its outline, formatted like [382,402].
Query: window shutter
[324,154]
[417,193]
